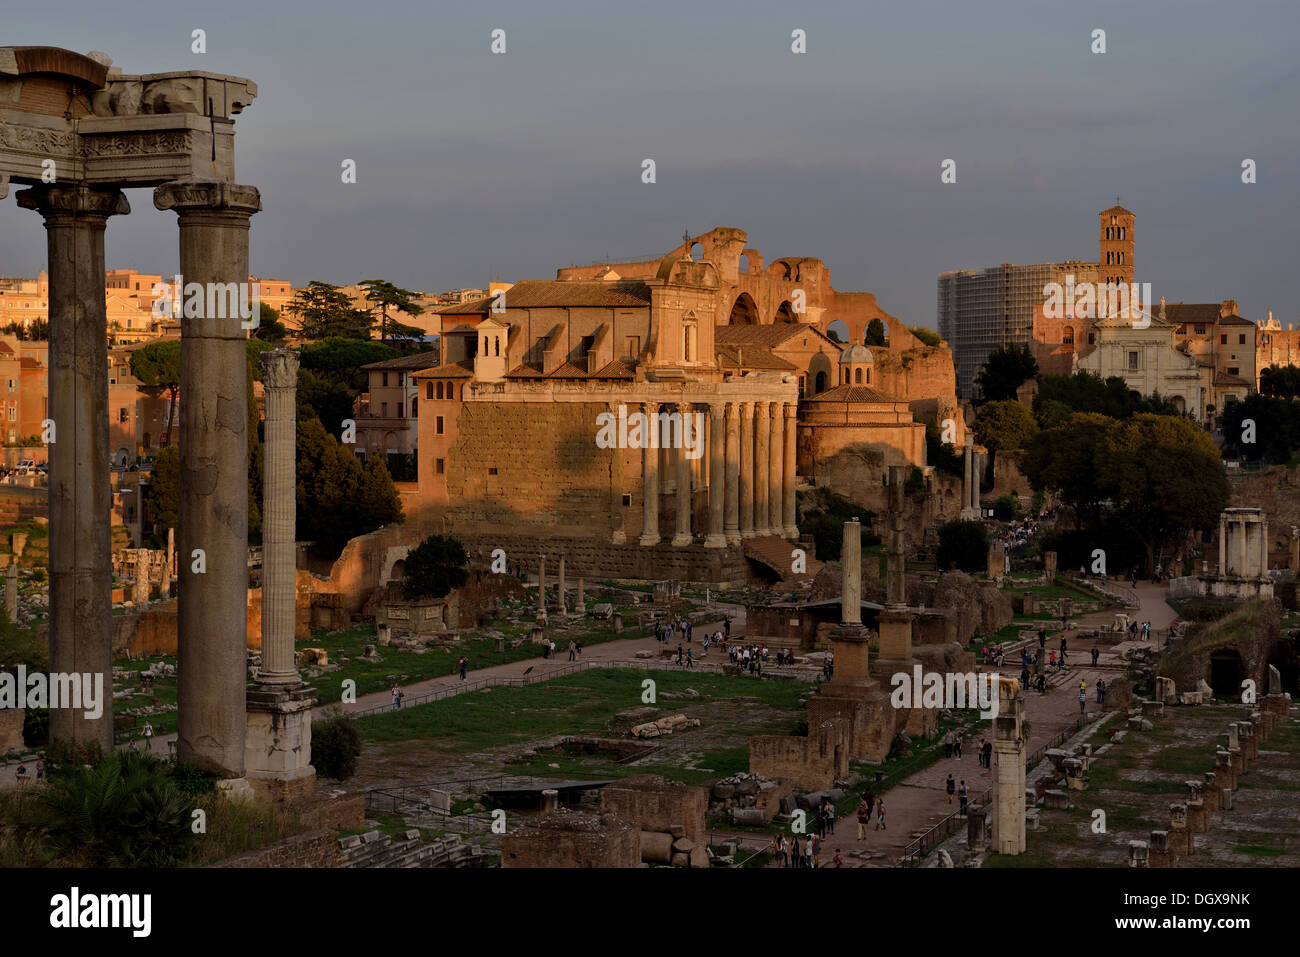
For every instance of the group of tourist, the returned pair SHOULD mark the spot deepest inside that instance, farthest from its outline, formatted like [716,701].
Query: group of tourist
[748,657]
[866,806]
[1018,534]
[801,851]
[960,790]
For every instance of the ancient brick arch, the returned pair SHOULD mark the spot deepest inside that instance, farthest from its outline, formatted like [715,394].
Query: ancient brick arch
[744,311]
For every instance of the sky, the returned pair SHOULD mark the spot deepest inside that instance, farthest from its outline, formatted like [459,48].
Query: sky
[473,165]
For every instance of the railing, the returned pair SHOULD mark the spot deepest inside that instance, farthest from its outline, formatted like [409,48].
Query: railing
[1063,735]
[918,847]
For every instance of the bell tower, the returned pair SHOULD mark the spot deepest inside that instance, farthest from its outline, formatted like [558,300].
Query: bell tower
[1115,245]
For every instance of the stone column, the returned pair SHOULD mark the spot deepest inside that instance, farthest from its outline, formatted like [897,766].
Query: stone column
[617,535]
[277,750]
[560,607]
[1241,546]
[788,472]
[968,472]
[1263,548]
[541,589]
[683,468]
[776,468]
[1009,775]
[851,559]
[81,623]
[279,517]
[731,517]
[140,591]
[581,607]
[212,619]
[169,564]
[1223,546]
[650,477]
[11,590]
[745,478]
[717,478]
[1295,552]
[762,462]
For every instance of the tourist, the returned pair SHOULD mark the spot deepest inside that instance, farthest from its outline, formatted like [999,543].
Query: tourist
[1101,692]
[830,816]
[1063,646]
[397,697]
[812,847]
[463,664]
[1095,655]
[956,745]
[988,754]
[951,787]
[680,653]
[1042,637]
[962,796]
[1051,659]
[864,817]
[148,735]
[1135,579]
[131,745]
[880,815]
[783,851]
[838,859]
[690,659]
[689,629]
[1083,701]
[22,772]
[572,650]
[1024,677]
[947,745]
[1042,684]
[726,626]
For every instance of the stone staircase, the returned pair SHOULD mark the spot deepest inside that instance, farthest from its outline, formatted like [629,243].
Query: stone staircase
[375,849]
[774,552]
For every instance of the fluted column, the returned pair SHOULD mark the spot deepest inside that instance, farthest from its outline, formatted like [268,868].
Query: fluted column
[617,535]
[731,518]
[788,473]
[541,589]
[279,517]
[1223,546]
[762,462]
[81,609]
[212,616]
[776,468]
[688,437]
[717,477]
[650,477]
[745,478]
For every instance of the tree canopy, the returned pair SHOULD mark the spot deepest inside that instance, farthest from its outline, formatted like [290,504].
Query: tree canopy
[1280,381]
[337,498]
[877,334]
[1087,392]
[1262,428]
[385,296]
[435,567]
[928,336]
[1005,370]
[963,545]
[1004,425]
[324,310]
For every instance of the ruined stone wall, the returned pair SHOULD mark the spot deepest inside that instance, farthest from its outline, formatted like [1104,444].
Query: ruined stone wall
[317,848]
[654,804]
[1008,479]
[572,839]
[549,473]
[1277,492]
[810,763]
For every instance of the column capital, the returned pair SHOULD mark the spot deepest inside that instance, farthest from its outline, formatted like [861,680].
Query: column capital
[280,369]
[746,409]
[196,197]
[774,410]
[53,201]
[791,410]
[717,410]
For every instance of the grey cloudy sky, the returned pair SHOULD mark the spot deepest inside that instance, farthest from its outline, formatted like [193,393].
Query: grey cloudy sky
[470,164]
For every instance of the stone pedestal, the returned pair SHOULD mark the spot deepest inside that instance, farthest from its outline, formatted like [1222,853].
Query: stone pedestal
[976,826]
[277,752]
[895,634]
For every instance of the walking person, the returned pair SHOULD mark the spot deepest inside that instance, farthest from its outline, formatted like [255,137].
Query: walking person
[148,735]
[690,659]
[947,745]
[956,745]
[464,667]
[1083,702]
[962,795]
[951,787]
[988,754]
[880,815]
[1101,691]
[572,650]
[1095,655]
[864,818]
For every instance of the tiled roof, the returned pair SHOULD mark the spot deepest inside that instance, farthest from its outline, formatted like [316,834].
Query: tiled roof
[618,369]
[1196,313]
[849,394]
[418,360]
[27,362]
[763,335]
[754,357]
[525,371]
[1235,320]
[568,370]
[451,370]
[1230,380]
[542,293]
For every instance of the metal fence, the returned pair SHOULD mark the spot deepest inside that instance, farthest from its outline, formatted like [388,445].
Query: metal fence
[920,846]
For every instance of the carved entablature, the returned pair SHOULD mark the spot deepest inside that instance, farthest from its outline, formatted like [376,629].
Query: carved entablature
[70,119]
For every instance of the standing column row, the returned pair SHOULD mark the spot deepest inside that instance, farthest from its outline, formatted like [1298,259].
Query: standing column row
[751,449]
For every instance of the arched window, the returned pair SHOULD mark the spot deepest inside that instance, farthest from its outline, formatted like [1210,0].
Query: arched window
[1121,259]
[498,345]
[1067,336]
[821,382]
[438,390]
[857,377]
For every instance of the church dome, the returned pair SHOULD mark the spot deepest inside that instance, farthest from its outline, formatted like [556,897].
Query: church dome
[855,354]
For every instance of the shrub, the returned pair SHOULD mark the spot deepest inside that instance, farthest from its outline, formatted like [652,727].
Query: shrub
[335,747]
[963,545]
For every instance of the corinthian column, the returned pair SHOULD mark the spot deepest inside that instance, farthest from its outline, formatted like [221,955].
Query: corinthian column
[617,535]
[277,751]
[212,623]
[731,519]
[745,480]
[81,609]
[650,477]
[683,536]
[279,517]
[762,463]
[717,477]
[776,468]
[788,473]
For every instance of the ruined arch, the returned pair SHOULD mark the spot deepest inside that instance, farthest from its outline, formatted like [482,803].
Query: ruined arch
[841,329]
[785,313]
[744,311]
[1226,672]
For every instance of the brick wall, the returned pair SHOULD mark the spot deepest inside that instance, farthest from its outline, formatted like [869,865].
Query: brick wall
[658,805]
